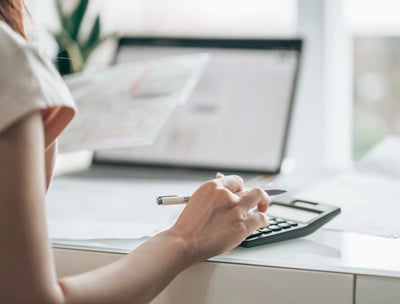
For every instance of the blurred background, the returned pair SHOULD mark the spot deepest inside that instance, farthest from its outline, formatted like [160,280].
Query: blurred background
[348,97]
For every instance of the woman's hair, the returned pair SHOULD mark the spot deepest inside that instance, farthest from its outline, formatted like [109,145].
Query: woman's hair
[12,11]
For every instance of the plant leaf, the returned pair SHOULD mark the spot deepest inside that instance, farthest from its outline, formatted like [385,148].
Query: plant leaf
[77,16]
[67,44]
[94,34]
[58,39]
[65,24]
[87,51]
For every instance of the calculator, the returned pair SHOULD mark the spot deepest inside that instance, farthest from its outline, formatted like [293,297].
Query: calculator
[291,220]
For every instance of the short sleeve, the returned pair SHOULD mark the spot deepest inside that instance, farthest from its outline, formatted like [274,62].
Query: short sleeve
[29,82]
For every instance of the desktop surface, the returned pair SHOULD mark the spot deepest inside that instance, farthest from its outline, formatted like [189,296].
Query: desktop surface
[327,266]
[324,250]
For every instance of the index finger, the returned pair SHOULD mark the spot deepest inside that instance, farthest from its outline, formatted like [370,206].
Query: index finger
[234,183]
[255,197]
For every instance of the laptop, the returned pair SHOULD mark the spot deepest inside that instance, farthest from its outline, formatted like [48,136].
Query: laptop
[238,116]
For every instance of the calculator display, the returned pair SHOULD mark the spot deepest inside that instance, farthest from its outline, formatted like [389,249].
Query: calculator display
[294,214]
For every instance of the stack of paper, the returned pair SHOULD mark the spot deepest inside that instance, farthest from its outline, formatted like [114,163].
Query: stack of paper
[126,105]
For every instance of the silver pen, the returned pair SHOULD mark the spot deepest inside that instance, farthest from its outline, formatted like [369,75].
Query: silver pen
[175,199]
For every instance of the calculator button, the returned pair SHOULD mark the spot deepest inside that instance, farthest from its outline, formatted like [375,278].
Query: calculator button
[279,220]
[274,227]
[254,234]
[292,223]
[265,230]
[284,225]
[272,222]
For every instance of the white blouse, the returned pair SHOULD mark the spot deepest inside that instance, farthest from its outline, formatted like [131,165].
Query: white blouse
[29,82]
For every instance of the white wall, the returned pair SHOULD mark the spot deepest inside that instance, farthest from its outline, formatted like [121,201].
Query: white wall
[321,133]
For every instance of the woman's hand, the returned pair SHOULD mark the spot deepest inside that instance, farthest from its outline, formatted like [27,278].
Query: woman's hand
[217,218]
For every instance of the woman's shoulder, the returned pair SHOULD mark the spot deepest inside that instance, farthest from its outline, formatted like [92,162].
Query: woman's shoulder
[29,81]
[12,44]
[25,66]
[18,57]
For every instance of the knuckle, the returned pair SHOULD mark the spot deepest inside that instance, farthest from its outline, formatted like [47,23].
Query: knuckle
[238,213]
[210,186]
[221,194]
[241,226]
[238,178]
[218,193]
[258,191]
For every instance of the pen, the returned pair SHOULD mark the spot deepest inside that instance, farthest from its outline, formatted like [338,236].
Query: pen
[175,199]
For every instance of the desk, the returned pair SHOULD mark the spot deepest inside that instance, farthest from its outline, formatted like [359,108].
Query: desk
[327,267]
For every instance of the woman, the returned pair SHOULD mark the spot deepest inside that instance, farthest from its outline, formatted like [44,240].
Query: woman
[35,106]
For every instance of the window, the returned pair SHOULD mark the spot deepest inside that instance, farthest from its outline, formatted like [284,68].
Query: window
[376,49]
[200,17]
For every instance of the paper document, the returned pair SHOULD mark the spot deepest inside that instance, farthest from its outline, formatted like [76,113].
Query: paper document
[111,208]
[126,105]
[368,194]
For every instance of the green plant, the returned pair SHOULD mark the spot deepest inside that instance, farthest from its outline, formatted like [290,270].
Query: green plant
[74,46]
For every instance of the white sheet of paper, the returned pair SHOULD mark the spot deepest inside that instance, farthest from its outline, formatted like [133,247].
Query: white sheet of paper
[368,194]
[126,105]
[93,208]
[90,229]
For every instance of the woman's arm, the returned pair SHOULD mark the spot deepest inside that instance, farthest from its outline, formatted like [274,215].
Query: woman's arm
[27,273]
[216,219]
[50,158]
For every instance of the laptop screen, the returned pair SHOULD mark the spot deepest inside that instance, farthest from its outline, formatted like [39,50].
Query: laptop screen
[237,117]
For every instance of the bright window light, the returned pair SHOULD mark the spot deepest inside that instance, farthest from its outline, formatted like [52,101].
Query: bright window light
[201,17]
[373,16]
[375,26]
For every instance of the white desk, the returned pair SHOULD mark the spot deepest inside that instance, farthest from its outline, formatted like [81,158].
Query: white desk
[325,267]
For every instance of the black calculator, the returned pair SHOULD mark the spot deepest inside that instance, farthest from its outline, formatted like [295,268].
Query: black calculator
[291,220]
